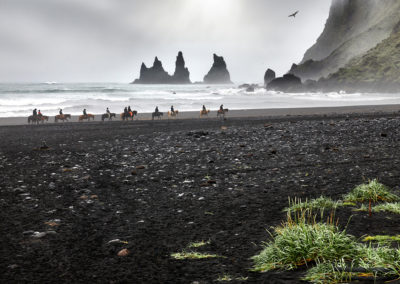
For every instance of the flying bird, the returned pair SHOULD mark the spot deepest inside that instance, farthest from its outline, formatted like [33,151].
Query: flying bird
[294,14]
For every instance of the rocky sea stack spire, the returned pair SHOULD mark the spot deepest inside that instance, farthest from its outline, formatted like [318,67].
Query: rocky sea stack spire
[182,74]
[153,75]
[269,76]
[219,73]
[157,75]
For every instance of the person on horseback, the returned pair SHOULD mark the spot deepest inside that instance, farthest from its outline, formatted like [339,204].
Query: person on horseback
[34,113]
[221,108]
[108,113]
[61,113]
[84,112]
[130,113]
[40,114]
[204,108]
[156,111]
[172,110]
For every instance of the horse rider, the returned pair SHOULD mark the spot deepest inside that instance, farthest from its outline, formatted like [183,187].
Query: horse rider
[40,113]
[108,113]
[221,108]
[61,113]
[172,110]
[129,109]
[34,113]
[156,111]
[204,108]
[84,112]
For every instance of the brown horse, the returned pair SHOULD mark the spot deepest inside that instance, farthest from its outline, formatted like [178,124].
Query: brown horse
[173,114]
[87,117]
[221,113]
[131,115]
[204,112]
[63,117]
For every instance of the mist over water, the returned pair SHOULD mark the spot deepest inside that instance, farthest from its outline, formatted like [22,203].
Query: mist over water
[20,99]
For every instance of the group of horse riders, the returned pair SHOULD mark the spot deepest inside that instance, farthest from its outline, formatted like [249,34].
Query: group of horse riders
[126,114]
[221,108]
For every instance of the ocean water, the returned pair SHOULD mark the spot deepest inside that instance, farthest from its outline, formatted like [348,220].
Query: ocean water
[21,99]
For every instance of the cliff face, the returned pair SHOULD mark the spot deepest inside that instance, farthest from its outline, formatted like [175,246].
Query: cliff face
[379,68]
[218,73]
[353,28]
[157,75]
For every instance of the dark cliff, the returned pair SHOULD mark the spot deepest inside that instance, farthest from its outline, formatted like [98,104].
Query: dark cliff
[353,28]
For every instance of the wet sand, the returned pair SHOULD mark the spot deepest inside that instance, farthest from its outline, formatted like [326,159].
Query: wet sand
[241,113]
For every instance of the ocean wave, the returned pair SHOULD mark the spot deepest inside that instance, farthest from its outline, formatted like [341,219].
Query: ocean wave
[21,99]
[62,91]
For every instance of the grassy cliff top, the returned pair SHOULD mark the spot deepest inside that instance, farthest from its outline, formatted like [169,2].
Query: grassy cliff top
[379,64]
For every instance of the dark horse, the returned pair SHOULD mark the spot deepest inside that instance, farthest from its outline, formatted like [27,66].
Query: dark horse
[130,115]
[156,114]
[221,113]
[37,118]
[109,116]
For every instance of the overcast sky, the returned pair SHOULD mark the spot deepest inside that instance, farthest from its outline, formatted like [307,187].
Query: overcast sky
[106,40]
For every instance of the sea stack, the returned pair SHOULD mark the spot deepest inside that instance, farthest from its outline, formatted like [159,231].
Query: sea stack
[153,75]
[157,75]
[218,73]
[269,76]
[287,83]
[182,74]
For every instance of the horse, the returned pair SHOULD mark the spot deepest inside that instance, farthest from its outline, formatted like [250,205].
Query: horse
[37,118]
[33,119]
[173,114]
[88,117]
[156,114]
[109,116]
[204,113]
[131,115]
[63,117]
[222,112]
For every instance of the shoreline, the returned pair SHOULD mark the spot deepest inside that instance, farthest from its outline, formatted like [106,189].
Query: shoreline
[248,113]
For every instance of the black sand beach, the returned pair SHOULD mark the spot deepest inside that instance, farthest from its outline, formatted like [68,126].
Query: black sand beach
[159,186]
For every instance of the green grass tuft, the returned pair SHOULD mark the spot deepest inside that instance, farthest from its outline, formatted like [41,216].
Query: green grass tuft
[193,255]
[298,242]
[382,238]
[373,191]
[369,263]
[198,244]
[228,278]
[321,203]
[387,207]
[384,207]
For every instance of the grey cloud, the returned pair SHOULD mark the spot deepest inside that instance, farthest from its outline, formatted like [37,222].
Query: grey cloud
[106,40]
